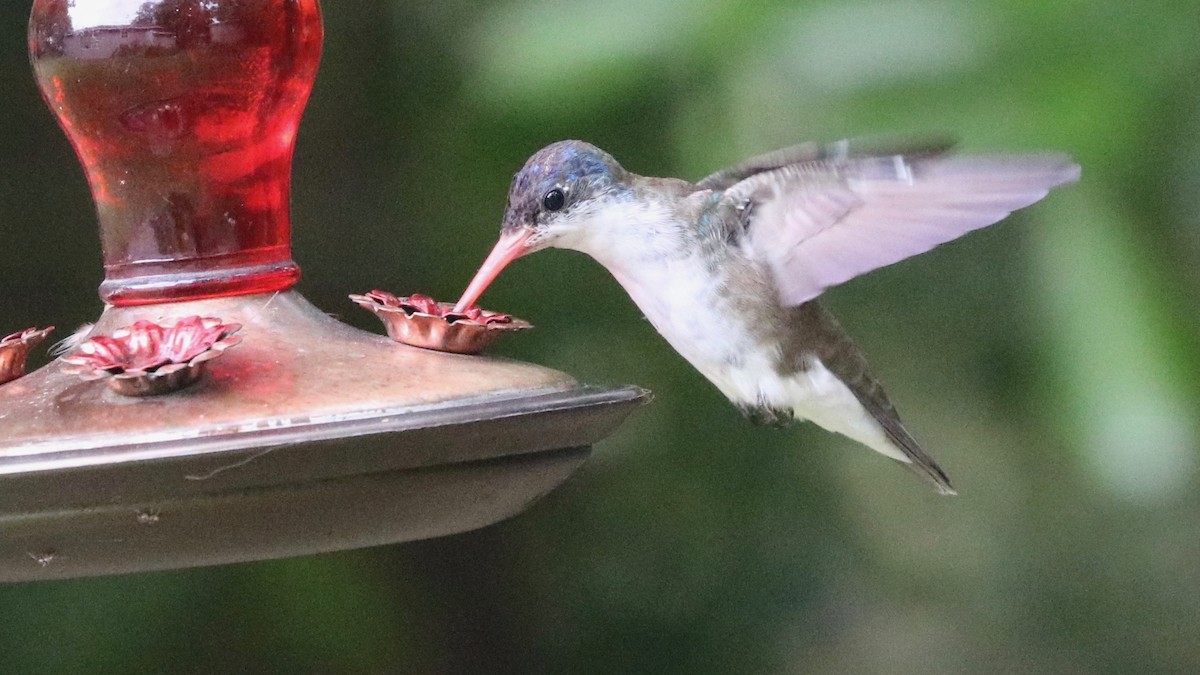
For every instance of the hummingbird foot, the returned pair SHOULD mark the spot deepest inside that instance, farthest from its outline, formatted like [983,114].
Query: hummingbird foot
[765,415]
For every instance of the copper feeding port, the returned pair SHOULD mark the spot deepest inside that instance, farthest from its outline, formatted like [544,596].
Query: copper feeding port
[420,321]
[14,350]
[147,359]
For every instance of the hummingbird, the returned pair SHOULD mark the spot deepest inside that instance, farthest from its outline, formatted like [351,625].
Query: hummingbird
[729,269]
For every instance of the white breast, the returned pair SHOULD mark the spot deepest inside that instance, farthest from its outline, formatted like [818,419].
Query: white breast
[689,308]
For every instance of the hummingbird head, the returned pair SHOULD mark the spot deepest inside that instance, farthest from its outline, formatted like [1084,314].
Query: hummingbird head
[551,201]
[557,190]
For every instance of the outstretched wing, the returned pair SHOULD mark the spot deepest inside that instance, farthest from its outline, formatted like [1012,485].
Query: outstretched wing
[817,224]
[813,152]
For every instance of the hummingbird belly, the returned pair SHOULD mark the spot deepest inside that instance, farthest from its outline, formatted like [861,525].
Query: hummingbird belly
[728,337]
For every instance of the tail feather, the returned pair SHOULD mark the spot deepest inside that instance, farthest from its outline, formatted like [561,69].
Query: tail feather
[905,448]
[863,409]
[918,460]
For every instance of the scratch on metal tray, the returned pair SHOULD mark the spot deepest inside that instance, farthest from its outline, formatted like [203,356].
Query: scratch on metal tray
[227,467]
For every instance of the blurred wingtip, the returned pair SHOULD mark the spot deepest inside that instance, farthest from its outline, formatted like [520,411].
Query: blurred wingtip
[1057,168]
[1072,172]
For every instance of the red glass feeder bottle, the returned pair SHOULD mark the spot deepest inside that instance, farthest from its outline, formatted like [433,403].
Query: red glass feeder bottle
[309,436]
[184,115]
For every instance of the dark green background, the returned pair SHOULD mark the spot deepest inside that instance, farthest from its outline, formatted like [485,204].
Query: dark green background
[1049,362]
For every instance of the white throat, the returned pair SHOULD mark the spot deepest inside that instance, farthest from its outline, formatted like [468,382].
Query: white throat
[624,236]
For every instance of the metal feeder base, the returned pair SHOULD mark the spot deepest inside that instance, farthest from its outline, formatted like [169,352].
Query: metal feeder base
[310,436]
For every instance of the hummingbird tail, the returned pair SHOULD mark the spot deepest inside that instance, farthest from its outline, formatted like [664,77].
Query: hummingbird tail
[916,457]
[875,423]
[895,441]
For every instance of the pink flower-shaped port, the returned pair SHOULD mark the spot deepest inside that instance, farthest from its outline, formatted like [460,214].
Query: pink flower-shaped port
[147,359]
[14,350]
[421,321]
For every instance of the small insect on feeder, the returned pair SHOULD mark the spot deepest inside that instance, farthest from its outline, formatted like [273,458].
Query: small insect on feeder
[307,436]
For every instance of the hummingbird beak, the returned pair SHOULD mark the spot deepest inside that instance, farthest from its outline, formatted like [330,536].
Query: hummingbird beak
[512,245]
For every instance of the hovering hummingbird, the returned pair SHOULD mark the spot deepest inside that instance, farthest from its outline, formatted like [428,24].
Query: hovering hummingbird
[728,269]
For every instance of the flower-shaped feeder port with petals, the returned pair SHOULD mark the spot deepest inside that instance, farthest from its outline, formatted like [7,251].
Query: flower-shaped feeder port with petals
[147,359]
[14,350]
[421,321]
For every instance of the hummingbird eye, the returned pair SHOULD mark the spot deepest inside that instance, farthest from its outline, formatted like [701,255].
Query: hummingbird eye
[554,200]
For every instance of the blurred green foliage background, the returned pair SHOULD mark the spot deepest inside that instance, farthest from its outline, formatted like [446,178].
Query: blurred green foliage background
[1049,362]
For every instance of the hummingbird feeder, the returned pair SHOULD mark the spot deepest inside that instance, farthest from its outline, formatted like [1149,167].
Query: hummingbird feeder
[309,435]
